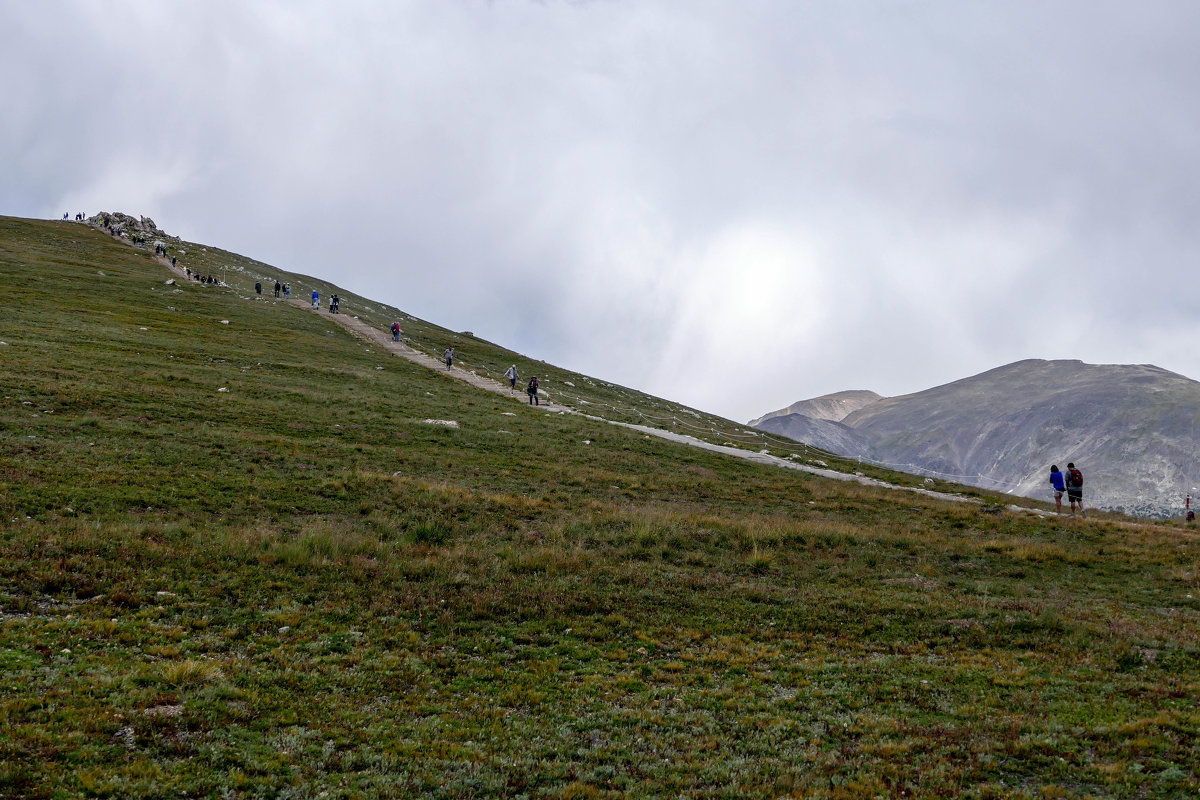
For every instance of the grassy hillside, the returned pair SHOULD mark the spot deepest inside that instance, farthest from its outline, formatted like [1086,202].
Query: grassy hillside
[298,588]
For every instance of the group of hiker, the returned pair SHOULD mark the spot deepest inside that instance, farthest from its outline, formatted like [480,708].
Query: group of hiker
[285,288]
[197,276]
[335,302]
[511,373]
[531,389]
[1071,483]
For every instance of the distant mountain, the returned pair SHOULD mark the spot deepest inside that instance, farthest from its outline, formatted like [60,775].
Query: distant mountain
[823,433]
[834,407]
[1132,429]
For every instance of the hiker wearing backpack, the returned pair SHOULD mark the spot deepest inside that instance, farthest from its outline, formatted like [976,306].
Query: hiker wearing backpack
[1060,486]
[395,331]
[1075,489]
[533,391]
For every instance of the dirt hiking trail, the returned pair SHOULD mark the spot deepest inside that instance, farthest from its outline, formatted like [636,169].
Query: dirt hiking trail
[383,339]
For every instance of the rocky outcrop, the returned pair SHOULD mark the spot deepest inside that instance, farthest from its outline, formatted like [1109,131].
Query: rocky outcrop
[137,229]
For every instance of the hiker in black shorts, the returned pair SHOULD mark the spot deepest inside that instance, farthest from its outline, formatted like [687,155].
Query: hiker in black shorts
[1075,489]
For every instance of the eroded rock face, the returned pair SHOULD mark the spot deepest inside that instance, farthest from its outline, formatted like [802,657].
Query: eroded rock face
[1132,429]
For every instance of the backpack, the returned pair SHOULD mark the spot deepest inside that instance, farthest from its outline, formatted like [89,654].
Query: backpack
[1076,478]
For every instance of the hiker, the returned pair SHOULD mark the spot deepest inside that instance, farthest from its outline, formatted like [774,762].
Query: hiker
[337,304]
[333,304]
[449,357]
[316,299]
[1191,516]
[1056,480]
[1075,489]
[172,261]
[188,270]
[512,375]
[395,331]
[277,288]
[257,287]
[532,390]
[287,291]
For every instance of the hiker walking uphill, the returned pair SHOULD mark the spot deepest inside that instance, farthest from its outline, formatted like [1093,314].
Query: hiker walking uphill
[1059,484]
[1075,489]
[448,356]
[513,376]
[395,331]
[532,389]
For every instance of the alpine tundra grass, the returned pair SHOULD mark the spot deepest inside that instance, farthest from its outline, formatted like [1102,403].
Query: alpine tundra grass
[236,561]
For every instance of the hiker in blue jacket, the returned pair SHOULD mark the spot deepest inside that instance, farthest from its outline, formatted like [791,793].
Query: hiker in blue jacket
[1056,480]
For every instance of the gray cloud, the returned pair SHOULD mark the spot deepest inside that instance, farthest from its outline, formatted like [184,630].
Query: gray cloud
[735,205]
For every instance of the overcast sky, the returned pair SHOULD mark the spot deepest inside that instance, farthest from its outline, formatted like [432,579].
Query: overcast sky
[733,204]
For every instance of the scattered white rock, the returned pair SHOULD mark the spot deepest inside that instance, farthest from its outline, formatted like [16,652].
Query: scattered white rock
[508,413]
[223,389]
[100,272]
[143,329]
[164,594]
[445,423]
[587,441]
[379,368]
[126,737]
[568,383]
[285,629]
[171,282]
[928,481]
[224,322]
[164,711]
[3,344]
